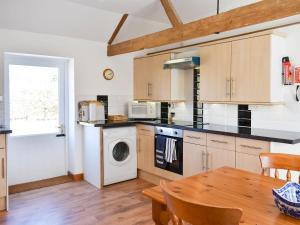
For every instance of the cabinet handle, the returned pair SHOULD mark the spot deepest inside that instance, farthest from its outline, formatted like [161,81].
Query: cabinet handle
[228,87]
[149,89]
[145,130]
[203,161]
[251,147]
[220,142]
[193,137]
[207,161]
[232,87]
[3,168]
[139,145]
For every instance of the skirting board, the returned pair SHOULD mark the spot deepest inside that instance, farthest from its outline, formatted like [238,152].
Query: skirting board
[38,184]
[76,177]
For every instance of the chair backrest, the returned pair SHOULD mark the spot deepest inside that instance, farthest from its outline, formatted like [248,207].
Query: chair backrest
[187,210]
[280,161]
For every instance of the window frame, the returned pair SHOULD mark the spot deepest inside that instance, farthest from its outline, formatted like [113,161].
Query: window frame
[36,61]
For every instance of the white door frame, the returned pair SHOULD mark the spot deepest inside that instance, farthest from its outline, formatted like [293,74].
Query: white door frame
[43,61]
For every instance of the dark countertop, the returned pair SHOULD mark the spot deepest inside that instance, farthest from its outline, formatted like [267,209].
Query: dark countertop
[5,130]
[279,136]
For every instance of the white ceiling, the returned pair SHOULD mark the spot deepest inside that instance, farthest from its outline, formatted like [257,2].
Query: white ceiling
[188,10]
[96,19]
[65,18]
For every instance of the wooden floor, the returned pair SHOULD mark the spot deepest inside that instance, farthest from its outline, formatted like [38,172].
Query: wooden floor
[79,203]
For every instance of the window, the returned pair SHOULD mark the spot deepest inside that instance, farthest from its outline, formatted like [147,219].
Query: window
[34,99]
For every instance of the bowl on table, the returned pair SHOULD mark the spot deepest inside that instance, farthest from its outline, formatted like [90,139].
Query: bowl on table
[287,199]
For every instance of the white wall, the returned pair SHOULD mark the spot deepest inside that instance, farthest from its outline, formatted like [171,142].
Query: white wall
[89,61]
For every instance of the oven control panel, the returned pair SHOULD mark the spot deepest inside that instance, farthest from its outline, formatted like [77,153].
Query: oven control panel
[167,131]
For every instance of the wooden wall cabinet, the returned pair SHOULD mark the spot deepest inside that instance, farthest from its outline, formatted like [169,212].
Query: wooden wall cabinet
[215,72]
[142,82]
[153,83]
[242,70]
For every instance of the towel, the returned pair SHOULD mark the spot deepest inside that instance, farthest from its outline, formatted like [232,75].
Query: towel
[170,152]
[160,145]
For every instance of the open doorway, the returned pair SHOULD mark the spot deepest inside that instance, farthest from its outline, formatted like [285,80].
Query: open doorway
[35,110]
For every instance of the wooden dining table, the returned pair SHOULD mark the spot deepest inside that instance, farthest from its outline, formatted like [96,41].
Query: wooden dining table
[226,187]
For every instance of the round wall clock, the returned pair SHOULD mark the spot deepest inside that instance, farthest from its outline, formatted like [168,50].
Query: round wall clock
[108,74]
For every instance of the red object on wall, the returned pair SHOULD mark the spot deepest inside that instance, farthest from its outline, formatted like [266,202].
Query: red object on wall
[297,75]
[287,71]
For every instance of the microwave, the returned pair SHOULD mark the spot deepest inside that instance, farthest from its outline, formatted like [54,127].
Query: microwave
[142,110]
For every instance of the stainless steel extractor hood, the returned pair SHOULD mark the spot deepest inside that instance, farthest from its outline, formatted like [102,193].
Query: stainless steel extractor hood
[183,63]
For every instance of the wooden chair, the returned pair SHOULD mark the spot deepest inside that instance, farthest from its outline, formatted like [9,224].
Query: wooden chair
[186,210]
[280,161]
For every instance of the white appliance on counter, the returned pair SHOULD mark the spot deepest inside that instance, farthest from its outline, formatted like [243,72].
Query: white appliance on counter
[119,154]
[142,110]
[90,111]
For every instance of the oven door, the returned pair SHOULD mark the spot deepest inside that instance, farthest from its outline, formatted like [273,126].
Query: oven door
[160,146]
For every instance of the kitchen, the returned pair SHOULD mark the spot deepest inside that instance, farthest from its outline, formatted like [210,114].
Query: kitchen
[135,115]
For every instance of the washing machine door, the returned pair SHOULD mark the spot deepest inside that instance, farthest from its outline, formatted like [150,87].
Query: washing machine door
[120,152]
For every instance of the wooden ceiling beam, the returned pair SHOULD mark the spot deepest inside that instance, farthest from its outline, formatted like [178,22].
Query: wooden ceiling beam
[256,13]
[118,28]
[171,13]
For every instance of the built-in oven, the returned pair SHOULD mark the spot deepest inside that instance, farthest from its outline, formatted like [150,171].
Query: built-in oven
[169,149]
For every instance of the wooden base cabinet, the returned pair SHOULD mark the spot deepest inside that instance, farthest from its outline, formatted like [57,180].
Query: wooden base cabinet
[145,153]
[201,152]
[194,159]
[3,173]
[218,158]
[145,148]
[3,180]
[248,162]
[194,153]
[247,154]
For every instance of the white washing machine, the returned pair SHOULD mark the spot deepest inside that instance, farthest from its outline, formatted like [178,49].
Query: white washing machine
[119,154]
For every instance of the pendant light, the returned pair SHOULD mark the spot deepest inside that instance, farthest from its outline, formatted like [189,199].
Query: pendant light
[218,11]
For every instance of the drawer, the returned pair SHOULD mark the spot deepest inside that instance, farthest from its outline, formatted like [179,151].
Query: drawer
[196,138]
[221,141]
[145,130]
[252,147]
[2,141]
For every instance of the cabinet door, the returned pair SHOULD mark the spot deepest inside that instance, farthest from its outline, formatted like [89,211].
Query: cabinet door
[2,173]
[248,162]
[146,153]
[141,82]
[215,72]
[160,88]
[250,70]
[194,159]
[217,158]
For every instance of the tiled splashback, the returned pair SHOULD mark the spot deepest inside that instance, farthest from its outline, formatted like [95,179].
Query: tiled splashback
[221,114]
[183,111]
